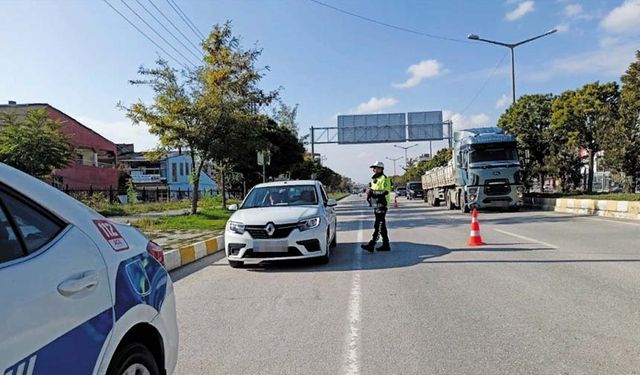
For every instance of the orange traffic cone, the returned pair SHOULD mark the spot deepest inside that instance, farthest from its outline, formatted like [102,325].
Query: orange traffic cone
[474,237]
[395,202]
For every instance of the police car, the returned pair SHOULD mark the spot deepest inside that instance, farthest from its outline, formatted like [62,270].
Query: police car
[79,294]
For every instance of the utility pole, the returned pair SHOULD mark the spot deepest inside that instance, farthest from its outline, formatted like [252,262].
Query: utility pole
[511,47]
[405,148]
[394,164]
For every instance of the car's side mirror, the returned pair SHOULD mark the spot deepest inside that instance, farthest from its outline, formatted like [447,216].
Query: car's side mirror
[233,207]
[332,203]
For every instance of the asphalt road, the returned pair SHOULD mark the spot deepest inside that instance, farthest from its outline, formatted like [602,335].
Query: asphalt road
[548,294]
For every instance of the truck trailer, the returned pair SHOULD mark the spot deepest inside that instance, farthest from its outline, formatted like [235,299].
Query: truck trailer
[484,172]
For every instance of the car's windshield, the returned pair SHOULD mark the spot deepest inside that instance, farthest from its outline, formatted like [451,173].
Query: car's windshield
[493,153]
[297,195]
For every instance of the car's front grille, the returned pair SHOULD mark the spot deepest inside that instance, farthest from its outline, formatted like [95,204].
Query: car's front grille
[497,187]
[259,232]
[291,252]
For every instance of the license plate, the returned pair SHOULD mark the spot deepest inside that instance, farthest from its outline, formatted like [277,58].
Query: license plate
[270,246]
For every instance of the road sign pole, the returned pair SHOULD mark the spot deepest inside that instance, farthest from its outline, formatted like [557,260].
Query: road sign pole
[313,149]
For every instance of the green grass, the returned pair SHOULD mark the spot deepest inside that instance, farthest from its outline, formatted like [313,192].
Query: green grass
[107,209]
[602,196]
[210,216]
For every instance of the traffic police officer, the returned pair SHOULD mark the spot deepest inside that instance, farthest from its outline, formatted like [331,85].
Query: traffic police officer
[381,196]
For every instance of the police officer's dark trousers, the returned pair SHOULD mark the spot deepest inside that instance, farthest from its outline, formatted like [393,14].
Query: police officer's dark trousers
[380,226]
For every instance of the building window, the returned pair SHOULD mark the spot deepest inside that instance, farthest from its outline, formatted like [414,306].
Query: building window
[186,167]
[174,172]
[181,169]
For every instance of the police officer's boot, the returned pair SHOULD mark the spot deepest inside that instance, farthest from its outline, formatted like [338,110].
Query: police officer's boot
[369,246]
[385,247]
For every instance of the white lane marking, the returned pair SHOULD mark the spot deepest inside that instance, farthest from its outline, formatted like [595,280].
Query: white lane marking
[612,220]
[526,238]
[351,358]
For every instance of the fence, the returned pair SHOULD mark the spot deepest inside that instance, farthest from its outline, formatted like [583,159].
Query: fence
[144,195]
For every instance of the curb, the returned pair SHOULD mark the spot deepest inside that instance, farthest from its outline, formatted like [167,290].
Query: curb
[190,253]
[605,208]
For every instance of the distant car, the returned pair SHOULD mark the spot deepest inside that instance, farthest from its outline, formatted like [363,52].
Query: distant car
[80,294]
[282,221]
[414,190]
[401,192]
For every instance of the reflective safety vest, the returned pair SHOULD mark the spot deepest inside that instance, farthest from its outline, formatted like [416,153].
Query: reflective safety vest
[382,183]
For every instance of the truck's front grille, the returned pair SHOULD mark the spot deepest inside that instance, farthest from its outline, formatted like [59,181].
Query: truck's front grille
[497,187]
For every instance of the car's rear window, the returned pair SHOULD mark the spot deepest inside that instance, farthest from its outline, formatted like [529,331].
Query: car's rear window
[295,195]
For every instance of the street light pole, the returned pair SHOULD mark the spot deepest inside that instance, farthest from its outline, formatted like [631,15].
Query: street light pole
[511,47]
[394,164]
[405,148]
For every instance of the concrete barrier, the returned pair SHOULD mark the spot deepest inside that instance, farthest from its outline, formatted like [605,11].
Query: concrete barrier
[605,208]
[190,253]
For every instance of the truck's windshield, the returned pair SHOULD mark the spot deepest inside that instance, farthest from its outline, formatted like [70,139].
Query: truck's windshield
[415,186]
[497,153]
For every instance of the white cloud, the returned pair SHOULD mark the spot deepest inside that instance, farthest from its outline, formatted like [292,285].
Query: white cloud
[611,59]
[375,105]
[563,27]
[503,101]
[461,121]
[625,18]
[522,9]
[573,10]
[423,69]
[480,119]
[122,131]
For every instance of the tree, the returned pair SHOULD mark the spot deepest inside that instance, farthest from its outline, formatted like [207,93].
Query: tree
[414,173]
[34,143]
[212,111]
[229,81]
[630,117]
[589,114]
[529,120]
[285,116]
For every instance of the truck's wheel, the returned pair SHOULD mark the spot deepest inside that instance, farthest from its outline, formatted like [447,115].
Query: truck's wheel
[436,202]
[450,204]
[463,204]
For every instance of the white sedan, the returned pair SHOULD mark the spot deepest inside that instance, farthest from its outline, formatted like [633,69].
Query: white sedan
[282,220]
[80,294]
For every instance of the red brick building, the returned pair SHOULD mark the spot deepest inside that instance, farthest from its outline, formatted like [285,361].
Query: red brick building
[95,165]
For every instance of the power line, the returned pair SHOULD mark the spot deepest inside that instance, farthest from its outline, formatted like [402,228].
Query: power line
[145,35]
[157,33]
[174,26]
[400,28]
[186,20]
[485,83]
[167,30]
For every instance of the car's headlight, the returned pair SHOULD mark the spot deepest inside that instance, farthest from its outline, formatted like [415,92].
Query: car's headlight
[309,224]
[472,190]
[236,227]
[520,190]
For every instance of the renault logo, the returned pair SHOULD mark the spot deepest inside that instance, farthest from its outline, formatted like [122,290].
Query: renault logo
[270,229]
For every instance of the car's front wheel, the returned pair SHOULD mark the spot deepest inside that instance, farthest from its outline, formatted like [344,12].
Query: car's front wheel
[133,359]
[324,259]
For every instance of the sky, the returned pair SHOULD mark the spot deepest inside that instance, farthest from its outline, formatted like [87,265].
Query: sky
[79,55]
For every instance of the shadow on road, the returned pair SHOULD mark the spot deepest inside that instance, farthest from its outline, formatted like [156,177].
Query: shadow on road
[349,257]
